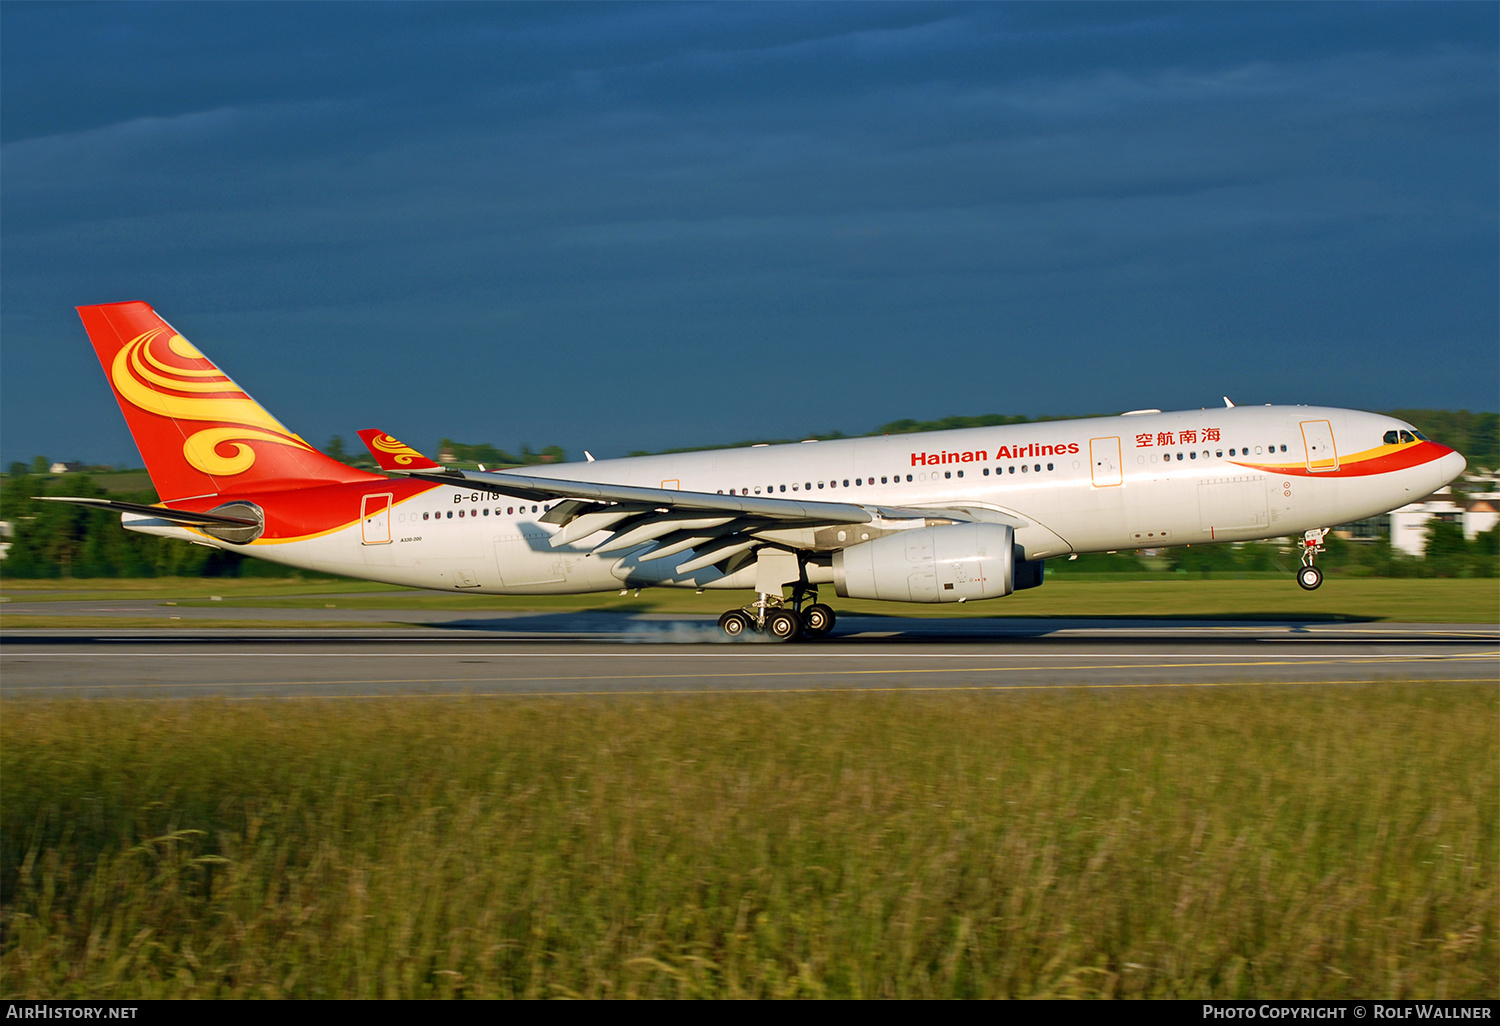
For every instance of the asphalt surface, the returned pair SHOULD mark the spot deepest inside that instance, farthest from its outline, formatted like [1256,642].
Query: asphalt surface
[603,653]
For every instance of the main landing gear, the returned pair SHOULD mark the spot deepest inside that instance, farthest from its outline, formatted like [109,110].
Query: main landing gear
[1309,576]
[769,615]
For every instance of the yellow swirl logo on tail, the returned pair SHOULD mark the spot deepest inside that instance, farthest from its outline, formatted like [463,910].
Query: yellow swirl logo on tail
[204,394]
[397,450]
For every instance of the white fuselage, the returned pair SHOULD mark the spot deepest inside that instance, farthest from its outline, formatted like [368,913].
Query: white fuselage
[1136,481]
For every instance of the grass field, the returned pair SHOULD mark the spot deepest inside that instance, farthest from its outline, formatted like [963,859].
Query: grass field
[1401,600]
[1267,842]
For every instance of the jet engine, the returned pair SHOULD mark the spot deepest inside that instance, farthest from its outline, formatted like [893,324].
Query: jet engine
[954,563]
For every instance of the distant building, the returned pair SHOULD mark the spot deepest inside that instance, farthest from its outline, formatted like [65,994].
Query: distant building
[1409,523]
[1481,514]
[1478,511]
[1370,529]
[64,468]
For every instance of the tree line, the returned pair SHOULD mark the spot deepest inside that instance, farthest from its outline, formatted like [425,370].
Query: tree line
[1449,554]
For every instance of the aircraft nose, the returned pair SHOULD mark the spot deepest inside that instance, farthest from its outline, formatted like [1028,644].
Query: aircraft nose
[1450,465]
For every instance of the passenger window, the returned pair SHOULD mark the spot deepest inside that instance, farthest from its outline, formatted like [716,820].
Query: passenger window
[1049,466]
[1023,468]
[424,516]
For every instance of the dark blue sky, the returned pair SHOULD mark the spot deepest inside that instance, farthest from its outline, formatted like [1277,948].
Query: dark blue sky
[623,227]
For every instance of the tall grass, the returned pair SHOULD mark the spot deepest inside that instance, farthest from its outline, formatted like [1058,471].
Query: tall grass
[1327,842]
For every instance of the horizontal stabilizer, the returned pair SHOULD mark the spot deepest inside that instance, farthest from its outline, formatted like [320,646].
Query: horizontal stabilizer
[176,516]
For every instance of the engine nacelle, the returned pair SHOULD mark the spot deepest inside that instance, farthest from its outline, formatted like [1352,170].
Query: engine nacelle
[935,564]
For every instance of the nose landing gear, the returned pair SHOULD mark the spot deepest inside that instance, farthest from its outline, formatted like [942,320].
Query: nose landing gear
[1310,577]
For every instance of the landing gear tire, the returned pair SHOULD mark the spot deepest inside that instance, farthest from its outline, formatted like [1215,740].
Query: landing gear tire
[817,620]
[734,623]
[783,625]
[1309,577]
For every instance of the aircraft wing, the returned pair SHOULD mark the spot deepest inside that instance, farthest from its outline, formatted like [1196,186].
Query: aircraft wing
[717,528]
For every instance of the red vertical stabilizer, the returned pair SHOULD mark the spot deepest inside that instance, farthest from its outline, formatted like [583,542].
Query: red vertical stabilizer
[198,431]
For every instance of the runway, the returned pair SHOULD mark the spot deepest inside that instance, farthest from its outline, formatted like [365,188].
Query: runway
[593,654]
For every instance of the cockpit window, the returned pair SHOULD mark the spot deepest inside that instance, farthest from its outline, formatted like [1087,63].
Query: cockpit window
[1390,438]
[1420,436]
[1406,436]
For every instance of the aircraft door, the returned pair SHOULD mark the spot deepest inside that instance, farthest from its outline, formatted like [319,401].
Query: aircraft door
[1104,453]
[375,519]
[1317,441]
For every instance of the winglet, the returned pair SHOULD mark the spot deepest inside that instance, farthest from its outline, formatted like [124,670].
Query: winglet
[1227,404]
[391,454]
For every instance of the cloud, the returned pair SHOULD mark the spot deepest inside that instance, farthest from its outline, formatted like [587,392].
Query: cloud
[815,187]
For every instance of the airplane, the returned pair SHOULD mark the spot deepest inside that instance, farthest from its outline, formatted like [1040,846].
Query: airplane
[944,516]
